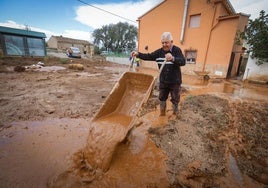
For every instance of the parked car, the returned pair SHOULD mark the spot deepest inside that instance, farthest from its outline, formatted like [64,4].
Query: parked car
[104,53]
[73,52]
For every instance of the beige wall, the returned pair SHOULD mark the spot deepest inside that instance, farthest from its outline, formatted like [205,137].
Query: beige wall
[63,45]
[52,43]
[213,40]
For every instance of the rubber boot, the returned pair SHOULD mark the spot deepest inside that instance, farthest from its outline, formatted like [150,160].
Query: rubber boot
[175,109]
[163,107]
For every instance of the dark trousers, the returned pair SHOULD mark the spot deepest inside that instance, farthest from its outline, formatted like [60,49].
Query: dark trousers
[173,89]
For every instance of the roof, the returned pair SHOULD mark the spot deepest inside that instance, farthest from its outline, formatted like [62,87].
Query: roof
[237,15]
[70,40]
[9,30]
[151,9]
[227,4]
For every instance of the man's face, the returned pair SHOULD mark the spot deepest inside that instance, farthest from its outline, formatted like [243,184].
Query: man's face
[166,44]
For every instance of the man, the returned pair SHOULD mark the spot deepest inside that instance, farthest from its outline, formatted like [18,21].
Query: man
[171,57]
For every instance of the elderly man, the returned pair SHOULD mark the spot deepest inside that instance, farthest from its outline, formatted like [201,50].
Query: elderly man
[171,57]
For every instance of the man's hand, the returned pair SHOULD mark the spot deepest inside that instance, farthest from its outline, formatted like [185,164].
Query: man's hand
[169,57]
[134,54]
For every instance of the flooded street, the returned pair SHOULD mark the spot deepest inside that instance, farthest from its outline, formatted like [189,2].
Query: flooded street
[98,138]
[231,88]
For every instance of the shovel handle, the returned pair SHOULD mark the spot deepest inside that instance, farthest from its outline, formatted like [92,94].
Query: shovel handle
[132,62]
[162,66]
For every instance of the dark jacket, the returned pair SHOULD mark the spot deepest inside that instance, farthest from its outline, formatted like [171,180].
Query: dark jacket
[171,72]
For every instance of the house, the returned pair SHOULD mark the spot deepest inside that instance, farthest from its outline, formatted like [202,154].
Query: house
[62,43]
[20,42]
[205,30]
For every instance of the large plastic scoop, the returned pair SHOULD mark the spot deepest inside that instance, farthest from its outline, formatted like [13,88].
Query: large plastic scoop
[116,118]
[127,96]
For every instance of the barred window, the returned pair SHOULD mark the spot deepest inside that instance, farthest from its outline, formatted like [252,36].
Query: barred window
[190,56]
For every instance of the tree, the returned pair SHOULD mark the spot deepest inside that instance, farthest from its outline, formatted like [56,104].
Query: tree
[256,36]
[116,37]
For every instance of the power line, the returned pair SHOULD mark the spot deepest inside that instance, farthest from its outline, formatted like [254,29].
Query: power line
[106,11]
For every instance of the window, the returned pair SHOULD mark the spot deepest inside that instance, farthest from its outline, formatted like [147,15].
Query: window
[195,21]
[190,56]
[14,45]
[36,47]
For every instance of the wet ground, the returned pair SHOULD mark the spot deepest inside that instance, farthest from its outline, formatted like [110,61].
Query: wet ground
[218,140]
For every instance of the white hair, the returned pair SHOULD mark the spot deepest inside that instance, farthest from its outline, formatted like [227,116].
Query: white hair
[166,36]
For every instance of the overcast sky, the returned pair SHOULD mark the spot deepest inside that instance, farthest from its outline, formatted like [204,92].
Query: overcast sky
[78,18]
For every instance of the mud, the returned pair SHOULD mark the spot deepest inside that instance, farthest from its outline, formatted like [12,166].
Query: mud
[47,133]
[210,147]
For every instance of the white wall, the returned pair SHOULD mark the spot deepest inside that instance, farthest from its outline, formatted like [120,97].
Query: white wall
[120,60]
[256,72]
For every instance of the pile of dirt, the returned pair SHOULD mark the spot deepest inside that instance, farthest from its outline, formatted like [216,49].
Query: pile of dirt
[214,138]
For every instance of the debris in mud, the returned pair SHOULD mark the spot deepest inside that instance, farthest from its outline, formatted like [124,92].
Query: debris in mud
[34,66]
[76,66]
[47,107]
[19,68]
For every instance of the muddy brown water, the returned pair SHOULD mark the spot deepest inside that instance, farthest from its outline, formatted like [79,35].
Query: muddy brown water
[33,152]
[234,90]
[36,155]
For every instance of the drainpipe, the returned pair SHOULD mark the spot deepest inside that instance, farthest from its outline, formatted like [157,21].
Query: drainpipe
[138,35]
[183,21]
[209,37]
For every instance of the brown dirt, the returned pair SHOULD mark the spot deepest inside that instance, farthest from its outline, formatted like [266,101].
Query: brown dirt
[214,131]
[35,94]
[214,142]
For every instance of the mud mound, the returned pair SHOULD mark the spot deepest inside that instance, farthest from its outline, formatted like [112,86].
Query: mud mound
[252,149]
[210,130]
